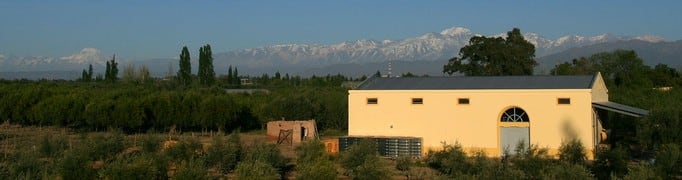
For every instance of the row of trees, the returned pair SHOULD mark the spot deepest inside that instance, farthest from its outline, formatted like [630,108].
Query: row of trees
[206,73]
[143,106]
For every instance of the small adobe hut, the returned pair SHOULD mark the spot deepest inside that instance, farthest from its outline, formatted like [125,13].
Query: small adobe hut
[291,132]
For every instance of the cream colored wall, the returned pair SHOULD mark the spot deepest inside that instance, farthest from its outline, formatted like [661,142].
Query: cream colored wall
[599,91]
[474,126]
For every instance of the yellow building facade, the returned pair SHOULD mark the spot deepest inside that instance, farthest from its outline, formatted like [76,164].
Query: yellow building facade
[490,114]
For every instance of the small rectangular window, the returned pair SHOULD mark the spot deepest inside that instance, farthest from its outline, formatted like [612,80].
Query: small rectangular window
[564,101]
[372,101]
[463,101]
[417,101]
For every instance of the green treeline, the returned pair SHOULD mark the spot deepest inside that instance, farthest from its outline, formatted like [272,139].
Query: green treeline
[160,104]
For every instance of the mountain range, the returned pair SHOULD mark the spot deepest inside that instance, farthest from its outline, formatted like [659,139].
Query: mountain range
[428,52]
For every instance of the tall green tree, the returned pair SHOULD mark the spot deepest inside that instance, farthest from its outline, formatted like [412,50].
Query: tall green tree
[111,73]
[87,75]
[185,71]
[206,73]
[494,56]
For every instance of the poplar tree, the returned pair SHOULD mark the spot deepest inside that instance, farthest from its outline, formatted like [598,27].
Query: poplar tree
[206,73]
[185,71]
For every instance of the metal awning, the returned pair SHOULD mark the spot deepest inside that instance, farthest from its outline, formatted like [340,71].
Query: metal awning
[620,108]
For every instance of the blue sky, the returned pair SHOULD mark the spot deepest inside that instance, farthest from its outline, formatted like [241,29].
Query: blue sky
[138,30]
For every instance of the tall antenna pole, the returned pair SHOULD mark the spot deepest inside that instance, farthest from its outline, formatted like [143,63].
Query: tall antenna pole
[389,68]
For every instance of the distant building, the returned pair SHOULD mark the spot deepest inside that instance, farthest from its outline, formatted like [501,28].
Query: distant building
[245,82]
[490,114]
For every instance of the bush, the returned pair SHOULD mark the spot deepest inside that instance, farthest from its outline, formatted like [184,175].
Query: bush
[185,149]
[132,167]
[224,156]
[75,165]
[668,160]
[450,161]
[26,165]
[255,170]
[151,143]
[105,146]
[641,171]
[572,152]
[361,161]
[531,160]
[610,162]
[266,153]
[191,169]
[567,171]
[52,146]
[313,162]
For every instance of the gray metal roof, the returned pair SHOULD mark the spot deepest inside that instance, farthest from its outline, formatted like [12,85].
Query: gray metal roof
[621,108]
[477,82]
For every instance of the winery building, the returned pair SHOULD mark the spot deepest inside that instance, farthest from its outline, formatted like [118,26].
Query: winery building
[489,114]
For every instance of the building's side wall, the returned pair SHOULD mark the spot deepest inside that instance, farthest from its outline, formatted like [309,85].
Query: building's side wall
[475,126]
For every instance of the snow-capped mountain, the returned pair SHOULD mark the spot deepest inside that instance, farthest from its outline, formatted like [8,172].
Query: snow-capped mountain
[433,46]
[430,46]
[44,63]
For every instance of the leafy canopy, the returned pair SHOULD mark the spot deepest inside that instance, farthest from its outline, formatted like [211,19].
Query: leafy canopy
[494,56]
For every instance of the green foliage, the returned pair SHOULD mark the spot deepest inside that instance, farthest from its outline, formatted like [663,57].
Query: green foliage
[572,152]
[494,56]
[132,167]
[224,155]
[313,162]
[185,148]
[191,169]
[206,73]
[26,165]
[256,170]
[610,161]
[362,161]
[668,159]
[52,146]
[151,143]
[266,153]
[567,171]
[76,165]
[641,171]
[451,160]
[532,160]
[403,163]
[185,71]
[102,147]
[111,72]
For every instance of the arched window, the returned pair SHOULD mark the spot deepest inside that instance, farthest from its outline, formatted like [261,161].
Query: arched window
[514,114]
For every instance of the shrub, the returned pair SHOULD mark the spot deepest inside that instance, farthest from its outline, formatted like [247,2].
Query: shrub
[451,160]
[668,160]
[610,162]
[224,156]
[313,161]
[572,152]
[361,161]
[531,160]
[75,165]
[185,149]
[105,146]
[191,169]
[52,146]
[132,167]
[641,171]
[25,165]
[151,143]
[566,171]
[255,170]
[266,153]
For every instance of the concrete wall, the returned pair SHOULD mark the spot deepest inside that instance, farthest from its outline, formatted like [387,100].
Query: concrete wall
[475,125]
